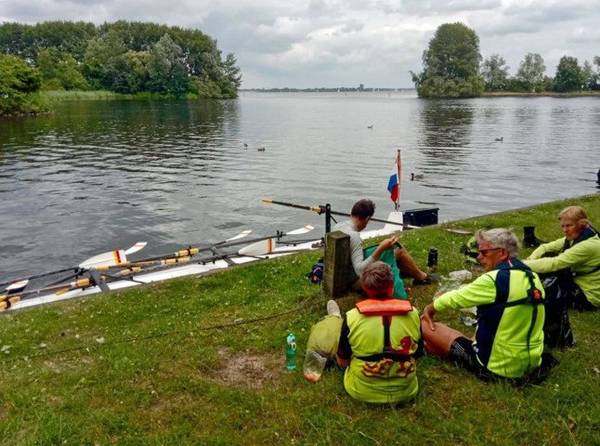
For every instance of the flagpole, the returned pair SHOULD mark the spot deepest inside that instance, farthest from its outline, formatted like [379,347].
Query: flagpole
[399,172]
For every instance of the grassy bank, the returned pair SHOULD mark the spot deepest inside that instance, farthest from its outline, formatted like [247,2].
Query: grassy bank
[76,95]
[71,95]
[200,361]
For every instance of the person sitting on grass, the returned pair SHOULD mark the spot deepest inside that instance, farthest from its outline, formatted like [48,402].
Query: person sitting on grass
[361,213]
[574,257]
[509,339]
[379,342]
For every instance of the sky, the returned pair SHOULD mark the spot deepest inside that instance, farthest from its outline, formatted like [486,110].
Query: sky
[344,43]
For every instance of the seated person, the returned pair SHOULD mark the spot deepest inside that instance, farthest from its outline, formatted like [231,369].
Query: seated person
[509,339]
[361,213]
[378,342]
[579,253]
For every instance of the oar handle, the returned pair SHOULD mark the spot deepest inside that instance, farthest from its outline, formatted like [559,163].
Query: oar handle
[320,209]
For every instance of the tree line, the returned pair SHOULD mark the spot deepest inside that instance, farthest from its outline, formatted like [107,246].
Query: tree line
[122,57]
[453,67]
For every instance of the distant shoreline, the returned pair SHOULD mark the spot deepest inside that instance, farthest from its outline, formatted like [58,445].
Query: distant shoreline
[489,94]
[325,90]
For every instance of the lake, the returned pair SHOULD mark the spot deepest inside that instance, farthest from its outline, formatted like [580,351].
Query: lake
[100,175]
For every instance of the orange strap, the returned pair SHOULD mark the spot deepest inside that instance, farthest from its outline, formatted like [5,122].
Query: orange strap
[384,307]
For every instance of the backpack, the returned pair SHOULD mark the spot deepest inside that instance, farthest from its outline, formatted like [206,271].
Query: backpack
[557,328]
[316,273]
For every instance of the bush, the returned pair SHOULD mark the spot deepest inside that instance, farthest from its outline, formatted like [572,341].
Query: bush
[438,87]
[19,84]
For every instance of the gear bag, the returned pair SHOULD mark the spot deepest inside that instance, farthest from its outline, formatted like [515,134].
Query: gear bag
[557,328]
[316,273]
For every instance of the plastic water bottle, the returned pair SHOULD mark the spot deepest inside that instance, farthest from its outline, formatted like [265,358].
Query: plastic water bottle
[290,352]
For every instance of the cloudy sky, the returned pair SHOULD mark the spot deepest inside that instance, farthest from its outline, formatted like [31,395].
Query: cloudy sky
[312,43]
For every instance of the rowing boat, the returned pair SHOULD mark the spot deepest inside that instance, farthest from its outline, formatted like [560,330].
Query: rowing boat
[260,249]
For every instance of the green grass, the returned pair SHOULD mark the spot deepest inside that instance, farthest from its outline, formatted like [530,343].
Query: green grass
[154,365]
[68,95]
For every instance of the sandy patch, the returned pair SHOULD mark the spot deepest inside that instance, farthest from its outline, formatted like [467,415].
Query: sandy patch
[247,370]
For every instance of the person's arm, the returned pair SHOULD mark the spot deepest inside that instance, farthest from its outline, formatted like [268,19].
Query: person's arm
[571,258]
[481,291]
[344,353]
[552,247]
[358,260]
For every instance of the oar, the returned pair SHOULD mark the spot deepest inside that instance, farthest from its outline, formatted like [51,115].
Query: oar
[132,268]
[266,246]
[96,260]
[112,257]
[6,300]
[185,255]
[321,209]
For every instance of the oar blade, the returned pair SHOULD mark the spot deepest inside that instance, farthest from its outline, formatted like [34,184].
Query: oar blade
[16,287]
[135,248]
[259,248]
[302,230]
[110,258]
[239,236]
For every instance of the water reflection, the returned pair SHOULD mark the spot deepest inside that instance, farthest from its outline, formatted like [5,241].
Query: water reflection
[445,132]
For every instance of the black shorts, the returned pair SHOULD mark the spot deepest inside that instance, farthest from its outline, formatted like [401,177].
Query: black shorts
[463,354]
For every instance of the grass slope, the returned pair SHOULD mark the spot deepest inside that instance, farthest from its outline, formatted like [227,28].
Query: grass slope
[200,361]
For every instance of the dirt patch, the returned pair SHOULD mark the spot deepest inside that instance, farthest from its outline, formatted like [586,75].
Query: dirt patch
[247,370]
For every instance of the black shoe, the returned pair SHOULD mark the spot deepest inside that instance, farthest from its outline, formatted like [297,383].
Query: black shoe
[429,280]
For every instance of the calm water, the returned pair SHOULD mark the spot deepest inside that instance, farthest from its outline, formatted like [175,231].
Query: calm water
[96,176]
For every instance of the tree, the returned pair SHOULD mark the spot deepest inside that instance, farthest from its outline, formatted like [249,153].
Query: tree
[451,64]
[531,72]
[101,65]
[495,73]
[60,70]
[19,84]
[587,76]
[592,76]
[568,75]
[166,71]
[125,57]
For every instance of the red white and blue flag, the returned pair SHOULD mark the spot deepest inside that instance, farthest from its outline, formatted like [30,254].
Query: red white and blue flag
[394,181]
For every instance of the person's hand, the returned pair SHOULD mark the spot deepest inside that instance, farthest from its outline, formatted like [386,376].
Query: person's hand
[428,315]
[388,243]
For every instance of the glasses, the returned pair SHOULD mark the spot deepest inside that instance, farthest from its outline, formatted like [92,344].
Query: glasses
[484,252]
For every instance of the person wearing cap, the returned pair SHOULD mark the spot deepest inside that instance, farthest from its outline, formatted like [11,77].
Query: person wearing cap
[577,255]
[379,341]
[389,250]
[509,297]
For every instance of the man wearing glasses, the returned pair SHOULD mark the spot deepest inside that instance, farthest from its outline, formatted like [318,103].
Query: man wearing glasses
[509,297]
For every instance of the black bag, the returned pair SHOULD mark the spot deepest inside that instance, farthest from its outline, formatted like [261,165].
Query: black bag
[316,273]
[557,328]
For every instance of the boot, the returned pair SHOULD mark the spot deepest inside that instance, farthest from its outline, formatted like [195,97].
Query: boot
[529,238]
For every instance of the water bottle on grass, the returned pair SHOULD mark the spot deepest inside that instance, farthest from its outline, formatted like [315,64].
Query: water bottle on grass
[290,352]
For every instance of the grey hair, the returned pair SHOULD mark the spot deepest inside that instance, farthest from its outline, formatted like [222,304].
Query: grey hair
[500,238]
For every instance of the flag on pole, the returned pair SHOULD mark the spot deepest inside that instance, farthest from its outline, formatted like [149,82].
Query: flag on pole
[394,181]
